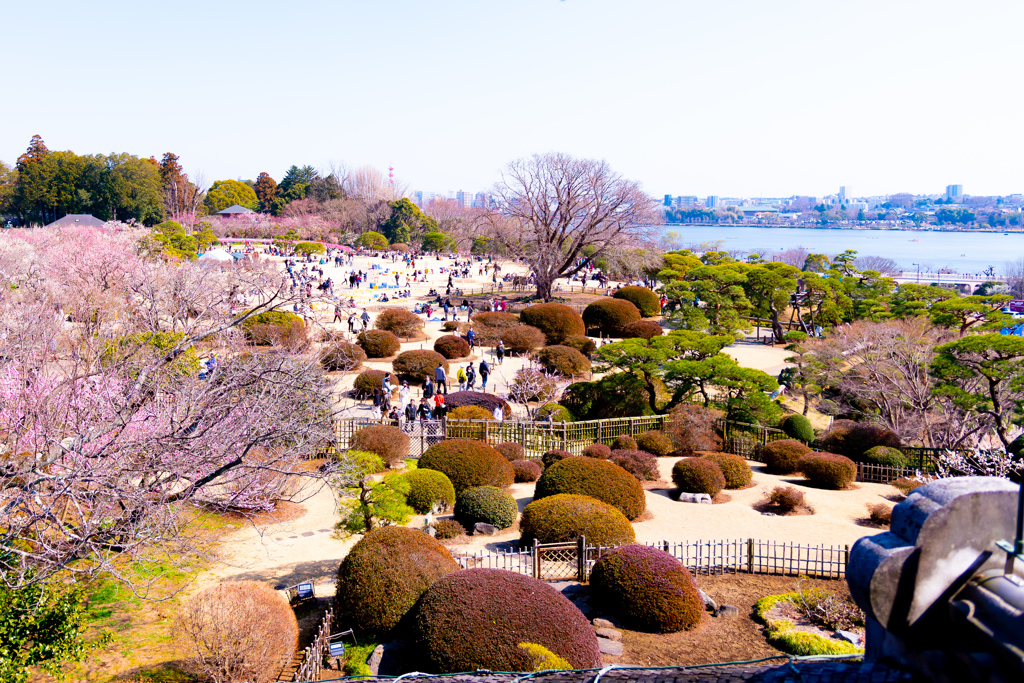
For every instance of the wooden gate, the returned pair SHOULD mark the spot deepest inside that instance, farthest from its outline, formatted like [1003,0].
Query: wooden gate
[560,561]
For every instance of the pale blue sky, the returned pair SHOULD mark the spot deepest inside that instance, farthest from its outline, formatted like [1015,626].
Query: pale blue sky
[727,97]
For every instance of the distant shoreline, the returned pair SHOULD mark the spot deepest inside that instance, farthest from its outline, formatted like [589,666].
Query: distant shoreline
[1016,230]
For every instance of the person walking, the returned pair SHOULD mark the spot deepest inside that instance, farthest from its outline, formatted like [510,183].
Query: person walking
[428,388]
[485,371]
[410,413]
[461,377]
[471,338]
[424,410]
[365,317]
[470,377]
[337,314]
[500,352]
[385,383]
[352,323]
[441,379]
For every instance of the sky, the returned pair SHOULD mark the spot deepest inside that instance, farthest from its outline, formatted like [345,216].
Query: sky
[718,97]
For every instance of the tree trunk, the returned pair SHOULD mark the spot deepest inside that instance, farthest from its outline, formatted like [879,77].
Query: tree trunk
[776,325]
[543,288]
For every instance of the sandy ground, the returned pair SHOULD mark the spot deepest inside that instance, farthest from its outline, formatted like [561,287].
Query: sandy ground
[304,547]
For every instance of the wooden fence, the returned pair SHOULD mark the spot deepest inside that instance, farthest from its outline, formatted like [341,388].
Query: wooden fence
[575,560]
[745,439]
[313,656]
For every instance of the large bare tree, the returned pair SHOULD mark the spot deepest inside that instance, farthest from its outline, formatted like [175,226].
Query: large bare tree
[560,214]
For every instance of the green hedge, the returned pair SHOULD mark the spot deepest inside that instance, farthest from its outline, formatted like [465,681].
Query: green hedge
[884,455]
[609,316]
[477,618]
[384,575]
[646,301]
[647,588]
[599,479]
[798,427]
[487,504]
[655,442]
[468,463]
[565,517]
[697,475]
[427,488]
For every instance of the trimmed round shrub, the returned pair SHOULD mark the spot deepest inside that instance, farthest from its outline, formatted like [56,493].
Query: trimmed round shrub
[692,429]
[798,427]
[584,345]
[786,498]
[490,325]
[624,442]
[551,457]
[655,442]
[272,328]
[476,619]
[647,588]
[400,247]
[609,315]
[451,346]
[216,620]
[468,463]
[489,402]
[646,301]
[281,319]
[367,381]
[429,490]
[341,356]
[384,575]
[400,322]
[390,443]
[372,240]
[883,455]
[597,450]
[449,326]
[511,450]
[526,471]
[735,469]
[828,469]
[522,339]
[641,465]
[566,517]
[600,479]
[557,411]
[487,504]
[852,439]
[379,343]
[563,360]
[418,365]
[697,475]
[642,329]
[445,529]
[783,456]
[556,321]
[470,413]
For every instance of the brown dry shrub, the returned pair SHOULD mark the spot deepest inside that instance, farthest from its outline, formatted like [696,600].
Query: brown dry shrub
[597,450]
[239,631]
[905,485]
[624,442]
[522,339]
[511,450]
[526,470]
[417,365]
[640,464]
[556,321]
[783,456]
[400,322]
[880,514]
[451,346]
[692,429]
[786,498]
[294,338]
[828,470]
[584,345]
[489,326]
[735,469]
[696,475]
[642,329]
[563,360]
[448,528]
[655,442]
[339,355]
[379,343]
[390,443]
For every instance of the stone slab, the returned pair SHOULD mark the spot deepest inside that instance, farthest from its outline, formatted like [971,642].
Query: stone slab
[610,647]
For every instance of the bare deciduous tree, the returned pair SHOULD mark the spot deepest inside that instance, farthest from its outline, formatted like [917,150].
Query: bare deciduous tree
[553,207]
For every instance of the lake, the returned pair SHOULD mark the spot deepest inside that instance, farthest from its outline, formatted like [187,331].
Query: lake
[964,252]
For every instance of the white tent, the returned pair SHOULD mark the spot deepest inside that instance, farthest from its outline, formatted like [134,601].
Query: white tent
[217,255]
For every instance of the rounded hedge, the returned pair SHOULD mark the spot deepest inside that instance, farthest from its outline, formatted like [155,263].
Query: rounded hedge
[429,490]
[556,321]
[551,457]
[384,575]
[646,301]
[526,471]
[610,315]
[342,356]
[642,329]
[584,345]
[418,365]
[476,619]
[367,381]
[487,504]
[557,411]
[489,326]
[641,465]
[390,443]
[852,439]
[655,442]
[884,455]
[379,343]
[487,401]
[372,240]
[445,529]
[600,479]
[522,339]
[828,469]
[735,469]
[470,413]
[647,588]
[624,442]
[563,360]
[511,450]
[782,456]
[798,427]
[468,463]
[597,450]
[697,475]
[400,322]
[565,517]
[452,347]
[400,247]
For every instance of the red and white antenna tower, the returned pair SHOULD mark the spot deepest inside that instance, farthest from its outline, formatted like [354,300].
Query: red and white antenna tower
[391,174]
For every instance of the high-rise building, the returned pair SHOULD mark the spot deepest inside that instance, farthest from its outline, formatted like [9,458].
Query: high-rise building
[713,202]
[465,199]
[417,198]
[668,200]
[954,191]
[842,194]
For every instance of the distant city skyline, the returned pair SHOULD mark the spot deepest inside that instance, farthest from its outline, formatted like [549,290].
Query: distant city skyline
[739,98]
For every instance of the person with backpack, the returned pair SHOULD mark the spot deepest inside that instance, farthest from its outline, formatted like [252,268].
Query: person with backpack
[461,377]
[500,351]
[470,377]
[485,371]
